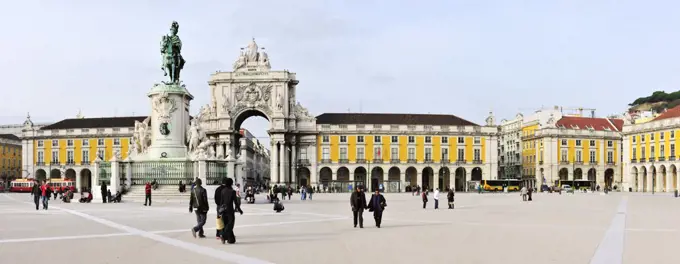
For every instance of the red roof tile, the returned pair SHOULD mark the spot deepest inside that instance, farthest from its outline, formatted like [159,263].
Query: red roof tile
[670,113]
[599,124]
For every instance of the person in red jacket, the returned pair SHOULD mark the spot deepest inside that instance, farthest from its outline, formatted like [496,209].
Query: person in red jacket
[45,194]
[147,190]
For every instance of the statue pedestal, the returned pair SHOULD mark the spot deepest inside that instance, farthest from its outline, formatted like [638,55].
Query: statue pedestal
[169,121]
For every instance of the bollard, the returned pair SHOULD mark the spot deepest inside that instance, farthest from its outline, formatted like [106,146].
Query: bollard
[676,193]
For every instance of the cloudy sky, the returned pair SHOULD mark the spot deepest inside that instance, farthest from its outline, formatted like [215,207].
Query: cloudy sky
[452,57]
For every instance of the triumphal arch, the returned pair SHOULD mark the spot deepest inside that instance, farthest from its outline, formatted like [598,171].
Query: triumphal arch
[253,89]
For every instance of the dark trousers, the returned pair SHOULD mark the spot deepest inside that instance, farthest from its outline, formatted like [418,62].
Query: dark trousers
[36,200]
[450,204]
[201,217]
[436,203]
[147,199]
[359,215]
[377,215]
[228,231]
[103,197]
[424,204]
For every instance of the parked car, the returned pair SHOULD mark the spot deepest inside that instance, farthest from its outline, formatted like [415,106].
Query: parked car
[567,189]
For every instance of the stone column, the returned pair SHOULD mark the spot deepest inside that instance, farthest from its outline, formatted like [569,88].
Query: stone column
[294,162]
[79,182]
[467,177]
[282,163]
[402,179]
[314,173]
[334,176]
[128,175]
[351,176]
[115,176]
[202,171]
[274,164]
[419,179]
[435,179]
[95,186]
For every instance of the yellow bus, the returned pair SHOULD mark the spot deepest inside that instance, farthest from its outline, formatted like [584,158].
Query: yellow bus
[499,185]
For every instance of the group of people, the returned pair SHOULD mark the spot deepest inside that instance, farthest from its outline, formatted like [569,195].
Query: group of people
[228,203]
[526,193]
[449,197]
[358,203]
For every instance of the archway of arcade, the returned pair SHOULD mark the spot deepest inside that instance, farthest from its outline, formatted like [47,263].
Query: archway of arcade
[85,180]
[251,127]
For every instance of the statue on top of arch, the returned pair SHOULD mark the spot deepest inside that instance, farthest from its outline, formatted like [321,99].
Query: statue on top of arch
[251,57]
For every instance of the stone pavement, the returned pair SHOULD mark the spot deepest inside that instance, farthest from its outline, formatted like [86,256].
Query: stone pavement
[487,228]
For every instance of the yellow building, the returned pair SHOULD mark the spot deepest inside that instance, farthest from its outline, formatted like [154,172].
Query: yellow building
[529,153]
[583,149]
[10,157]
[67,149]
[649,155]
[399,150]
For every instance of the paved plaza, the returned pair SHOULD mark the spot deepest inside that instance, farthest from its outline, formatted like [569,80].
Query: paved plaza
[487,228]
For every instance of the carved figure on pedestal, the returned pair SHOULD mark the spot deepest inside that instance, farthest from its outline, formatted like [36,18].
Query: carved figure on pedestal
[171,48]
[241,61]
[141,135]
[252,51]
[117,155]
[229,152]
[264,59]
[279,102]
[226,105]
[194,136]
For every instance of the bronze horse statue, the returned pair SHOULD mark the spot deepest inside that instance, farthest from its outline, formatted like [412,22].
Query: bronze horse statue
[171,47]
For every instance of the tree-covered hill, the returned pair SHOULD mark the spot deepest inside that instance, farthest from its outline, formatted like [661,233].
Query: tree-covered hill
[658,101]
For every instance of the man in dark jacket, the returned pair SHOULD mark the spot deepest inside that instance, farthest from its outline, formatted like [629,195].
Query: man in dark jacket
[218,201]
[377,206]
[228,206]
[103,189]
[358,203]
[36,192]
[450,197]
[199,201]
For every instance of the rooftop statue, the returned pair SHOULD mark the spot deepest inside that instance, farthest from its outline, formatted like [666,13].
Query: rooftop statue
[171,48]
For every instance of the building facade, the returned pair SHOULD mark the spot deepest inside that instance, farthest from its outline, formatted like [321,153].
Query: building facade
[510,148]
[67,149]
[10,157]
[254,157]
[575,148]
[649,157]
[399,150]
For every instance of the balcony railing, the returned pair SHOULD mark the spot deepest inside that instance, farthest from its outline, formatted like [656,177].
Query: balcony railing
[85,162]
[611,163]
[652,159]
[643,160]
[477,162]
[580,162]
[395,161]
[563,162]
[445,161]
[377,161]
[662,158]
[361,160]
[411,161]
[70,162]
[428,160]
[671,158]
[592,162]
[343,161]
[325,161]
[633,160]
[461,161]
[304,162]
[40,163]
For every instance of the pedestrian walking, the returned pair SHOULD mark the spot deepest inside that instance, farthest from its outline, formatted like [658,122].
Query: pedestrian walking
[523,193]
[424,196]
[199,201]
[103,191]
[450,197]
[436,198]
[45,192]
[36,192]
[147,191]
[218,202]
[529,192]
[358,202]
[227,209]
[377,206]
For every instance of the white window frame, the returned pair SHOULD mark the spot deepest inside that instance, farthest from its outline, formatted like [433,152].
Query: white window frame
[428,139]
[592,143]
[69,142]
[634,154]
[610,143]
[411,153]
[101,153]
[85,155]
[343,153]
[116,141]
[445,140]
[325,153]
[55,158]
[477,140]
[41,143]
[377,153]
[360,139]
[55,142]
[303,153]
[461,140]
[394,153]
[445,153]
[461,154]
[578,142]
[325,139]
[428,153]
[70,156]
[565,155]
[564,142]
[610,156]
[593,156]
[579,156]
[477,154]
[101,142]
[377,139]
[394,139]
[361,154]
[85,142]
[41,156]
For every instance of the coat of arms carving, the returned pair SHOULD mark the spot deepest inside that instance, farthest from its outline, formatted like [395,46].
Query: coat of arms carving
[164,106]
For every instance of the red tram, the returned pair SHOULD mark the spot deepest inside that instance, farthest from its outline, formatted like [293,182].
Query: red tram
[25,185]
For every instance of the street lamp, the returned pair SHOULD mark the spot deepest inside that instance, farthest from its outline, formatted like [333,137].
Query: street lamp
[653,178]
